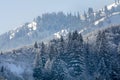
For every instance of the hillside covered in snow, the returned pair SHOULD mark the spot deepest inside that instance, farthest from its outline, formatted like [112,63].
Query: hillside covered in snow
[52,25]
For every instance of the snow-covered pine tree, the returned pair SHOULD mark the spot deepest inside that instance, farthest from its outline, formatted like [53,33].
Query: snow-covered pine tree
[90,11]
[38,19]
[58,69]
[36,45]
[89,60]
[75,57]
[115,75]
[61,47]
[52,52]
[78,16]
[37,74]
[104,56]
[43,54]
[91,15]
[112,10]
[85,16]
[98,15]
[106,11]
[37,71]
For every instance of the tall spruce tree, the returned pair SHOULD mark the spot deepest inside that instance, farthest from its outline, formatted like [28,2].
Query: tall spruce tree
[75,57]
[37,71]
[104,66]
[43,54]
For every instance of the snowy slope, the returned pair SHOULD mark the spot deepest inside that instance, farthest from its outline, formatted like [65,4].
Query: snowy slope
[37,30]
[112,5]
[53,25]
[113,19]
[106,20]
[62,32]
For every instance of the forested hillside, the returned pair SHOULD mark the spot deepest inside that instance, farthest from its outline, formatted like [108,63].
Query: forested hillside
[74,57]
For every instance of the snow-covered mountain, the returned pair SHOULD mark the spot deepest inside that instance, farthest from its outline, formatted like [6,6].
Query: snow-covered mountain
[41,28]
[18,64]
[51,25]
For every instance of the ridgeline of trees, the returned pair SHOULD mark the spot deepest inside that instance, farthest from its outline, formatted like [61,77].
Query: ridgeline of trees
[60,20]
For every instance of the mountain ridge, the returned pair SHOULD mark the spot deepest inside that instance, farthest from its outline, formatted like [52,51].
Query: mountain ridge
[52,25]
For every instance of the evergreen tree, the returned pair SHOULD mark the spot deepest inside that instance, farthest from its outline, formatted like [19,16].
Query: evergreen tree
[43,54]
[90,11]
[78,16]
[52,52]
[112,10]
[57,70]
[115,75]
[98,15]
[89,59]
[91,15]
[75,57]
[38,19]
[1,53]
[106,11]
[37,74]
[36,45]
[37,71]
[104,66]
[85,16]
[61,48]
[75,35]
[2,69]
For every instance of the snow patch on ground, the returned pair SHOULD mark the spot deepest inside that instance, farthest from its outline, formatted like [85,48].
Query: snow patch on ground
[29,34]
[81,31]
[12,35]
[97,22]
[57,35]
[112,5]
[63,32]
[113,18]
[32,26]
